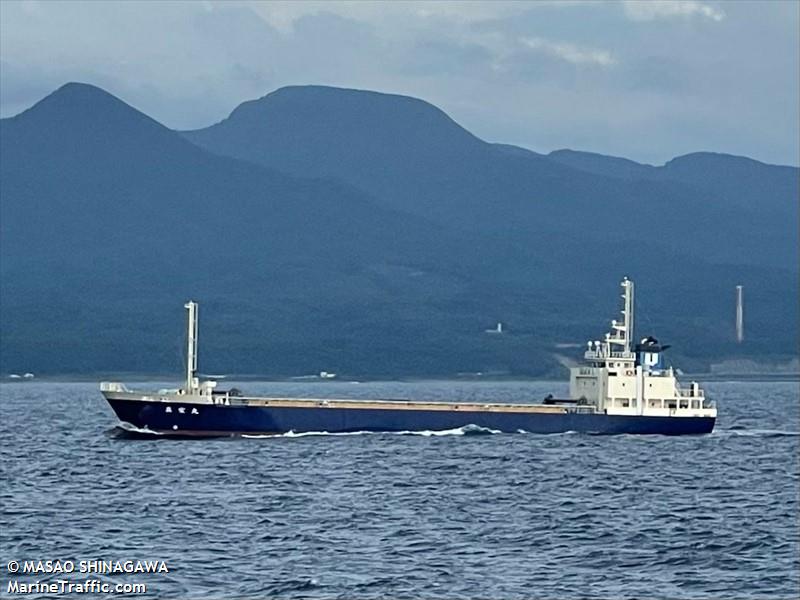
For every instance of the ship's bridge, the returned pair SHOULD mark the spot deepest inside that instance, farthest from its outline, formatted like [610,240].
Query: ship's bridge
[617,378]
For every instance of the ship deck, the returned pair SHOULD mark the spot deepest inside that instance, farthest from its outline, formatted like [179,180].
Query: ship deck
[394,405]
[118,392]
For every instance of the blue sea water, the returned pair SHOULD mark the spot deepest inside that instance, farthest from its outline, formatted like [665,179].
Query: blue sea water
[449,515]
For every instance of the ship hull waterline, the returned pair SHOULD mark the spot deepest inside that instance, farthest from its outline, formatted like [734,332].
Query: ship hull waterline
[210,420]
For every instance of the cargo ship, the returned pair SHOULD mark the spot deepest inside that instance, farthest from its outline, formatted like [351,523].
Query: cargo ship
[619,388]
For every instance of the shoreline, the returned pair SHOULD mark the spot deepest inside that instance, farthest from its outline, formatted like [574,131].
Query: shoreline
[144,378]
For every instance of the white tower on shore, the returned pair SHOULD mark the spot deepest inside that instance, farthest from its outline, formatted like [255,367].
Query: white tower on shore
[739,314]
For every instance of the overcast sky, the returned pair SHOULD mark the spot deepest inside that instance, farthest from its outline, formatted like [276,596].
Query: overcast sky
[644,80]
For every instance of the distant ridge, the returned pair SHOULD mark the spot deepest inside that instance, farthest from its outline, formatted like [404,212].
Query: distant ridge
[600,164]
[410,156]
[83,101]
[86,112]
[747,182]
[366,234]
[354,111]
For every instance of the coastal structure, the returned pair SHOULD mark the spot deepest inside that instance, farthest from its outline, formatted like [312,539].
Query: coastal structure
[739,313]
[497,330]
[622,387]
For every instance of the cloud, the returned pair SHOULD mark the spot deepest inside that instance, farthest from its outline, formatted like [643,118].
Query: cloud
[282,15]
[577,55]
[622,78]
[639,10]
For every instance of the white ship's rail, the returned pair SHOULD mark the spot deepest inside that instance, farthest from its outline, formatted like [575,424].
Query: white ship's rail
[601,355]
[113,386]
[687,394]
[391,404]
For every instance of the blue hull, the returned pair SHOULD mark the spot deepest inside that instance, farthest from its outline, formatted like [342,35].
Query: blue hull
[216,420]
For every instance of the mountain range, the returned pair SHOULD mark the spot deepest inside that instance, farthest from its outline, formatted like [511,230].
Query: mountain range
[365,233]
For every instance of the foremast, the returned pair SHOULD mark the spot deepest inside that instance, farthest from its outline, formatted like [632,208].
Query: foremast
[192,382]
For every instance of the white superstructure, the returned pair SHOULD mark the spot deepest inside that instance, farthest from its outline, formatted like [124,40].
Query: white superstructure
[620,379]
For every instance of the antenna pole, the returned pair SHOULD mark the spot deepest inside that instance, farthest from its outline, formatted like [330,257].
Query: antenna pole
[191,350]
[629,310]
[628,313]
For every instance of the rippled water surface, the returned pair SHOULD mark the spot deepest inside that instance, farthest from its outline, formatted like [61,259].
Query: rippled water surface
[410,516]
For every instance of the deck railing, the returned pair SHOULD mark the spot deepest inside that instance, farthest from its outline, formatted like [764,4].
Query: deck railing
[598,354]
